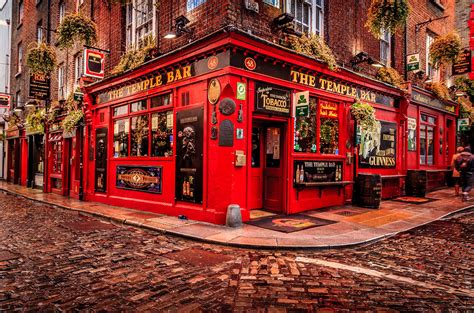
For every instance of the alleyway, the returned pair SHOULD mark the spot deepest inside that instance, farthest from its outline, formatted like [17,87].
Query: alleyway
[53,259]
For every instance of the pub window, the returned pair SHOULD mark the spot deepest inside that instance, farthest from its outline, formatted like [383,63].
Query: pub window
[162,134]
[121,110]
[139,136]
[427,143]
[138,106]
[305,130]
[161,100]
[329,127]
[121,130]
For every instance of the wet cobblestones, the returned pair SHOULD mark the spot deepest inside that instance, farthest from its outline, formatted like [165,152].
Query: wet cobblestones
[57,260]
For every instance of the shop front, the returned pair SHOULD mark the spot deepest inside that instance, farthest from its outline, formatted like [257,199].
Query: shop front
[16,153]
[431,136]
[35,175]
[234,120]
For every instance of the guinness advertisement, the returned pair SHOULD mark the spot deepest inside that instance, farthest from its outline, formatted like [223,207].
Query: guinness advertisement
[378,147]
[189,154]
[101,160]
[39,86]
[272,100]
[139,178]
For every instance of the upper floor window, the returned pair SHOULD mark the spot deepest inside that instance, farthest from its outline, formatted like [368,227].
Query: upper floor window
[140,22]
[20,12]
[385,47]
[62,11]
[19,58]
[275,3]
[39,31]
[78,67]
[18,100]
[78,4]
[192,4]
[61,82]
[431,71]
[309,15]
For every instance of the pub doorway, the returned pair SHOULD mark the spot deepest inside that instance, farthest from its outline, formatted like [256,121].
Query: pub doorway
[268,166]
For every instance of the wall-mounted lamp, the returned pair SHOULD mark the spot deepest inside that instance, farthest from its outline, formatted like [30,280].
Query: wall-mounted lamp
[362,57]
[180,28]
[284,22]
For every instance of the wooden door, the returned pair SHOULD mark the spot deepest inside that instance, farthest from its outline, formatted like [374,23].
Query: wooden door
[256,168]
[273,168]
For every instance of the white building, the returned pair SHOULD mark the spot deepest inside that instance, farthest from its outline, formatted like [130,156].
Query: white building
[5,21]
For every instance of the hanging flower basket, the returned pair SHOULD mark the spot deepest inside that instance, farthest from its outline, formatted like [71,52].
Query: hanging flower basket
[314,45]
[41,59]
[35,121]
[364,115]
[445,49]
[388,15]
[133,58]
[71,120]
[439,89]
[390,76]
[76,27]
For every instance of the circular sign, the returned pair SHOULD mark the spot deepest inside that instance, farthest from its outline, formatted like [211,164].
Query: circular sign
[214,91]
[212,62]
[250,63]
[227,106]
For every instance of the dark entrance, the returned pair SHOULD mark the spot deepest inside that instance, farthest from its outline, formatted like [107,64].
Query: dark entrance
[35,161]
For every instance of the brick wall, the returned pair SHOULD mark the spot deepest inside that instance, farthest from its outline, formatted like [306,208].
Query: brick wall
[462,11]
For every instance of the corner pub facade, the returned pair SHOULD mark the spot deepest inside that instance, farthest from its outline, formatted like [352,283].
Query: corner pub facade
[233,119]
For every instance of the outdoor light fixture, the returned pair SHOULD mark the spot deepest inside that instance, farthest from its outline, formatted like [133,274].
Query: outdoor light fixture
[283,19]
[180,26]
[362,57]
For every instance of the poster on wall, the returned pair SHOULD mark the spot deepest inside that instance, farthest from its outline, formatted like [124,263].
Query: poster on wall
[139,178]
[189,152]
[101,159]
[411,134]
[378,146]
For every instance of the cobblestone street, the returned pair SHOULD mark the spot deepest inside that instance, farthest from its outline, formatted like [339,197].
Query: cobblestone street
[53,259]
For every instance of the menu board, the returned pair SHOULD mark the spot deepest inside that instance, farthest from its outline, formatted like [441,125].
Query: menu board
[189,151]
[310,171]
[378,147]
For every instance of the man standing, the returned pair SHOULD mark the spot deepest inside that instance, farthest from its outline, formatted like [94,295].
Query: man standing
[456,174]
[465,166]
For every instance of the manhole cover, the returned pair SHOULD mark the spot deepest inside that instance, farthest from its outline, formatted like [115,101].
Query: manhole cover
[198,257]
[7,255]
[89,226]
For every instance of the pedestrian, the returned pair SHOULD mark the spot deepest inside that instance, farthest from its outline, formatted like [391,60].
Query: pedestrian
[456,174]
[465,166]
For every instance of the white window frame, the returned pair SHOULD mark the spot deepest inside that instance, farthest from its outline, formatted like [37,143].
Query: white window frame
[316,16]
[193,4]
[385,45]
[21,11]
[133,10]
[39,31]
[78,67]
[18,99]
[275,3]
[19,55]
[61,82]
[62,11]
[431,71]
[79,3]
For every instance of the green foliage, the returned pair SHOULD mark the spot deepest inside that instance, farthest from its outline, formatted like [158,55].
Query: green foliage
[390,76]
[13,121]
[76,27]
[440,90]
[35,121]
[388,15]
[466,85]
[314,45]
[135,57]
[364,114]
[74,114]
[41,59]
[445,49]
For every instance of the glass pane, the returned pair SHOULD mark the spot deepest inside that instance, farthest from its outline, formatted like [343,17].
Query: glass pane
[272,146]
[255,147]
[424,118]
[121,110]
[162,134]
[139,136]
[305,130]
[430,160]
[306,10]
[121,129]
[422,144]
[161,100]
[138,106]
[431,120]
[329,127]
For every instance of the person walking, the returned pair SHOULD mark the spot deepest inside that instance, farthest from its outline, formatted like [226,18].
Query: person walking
[456,174]
[465,166]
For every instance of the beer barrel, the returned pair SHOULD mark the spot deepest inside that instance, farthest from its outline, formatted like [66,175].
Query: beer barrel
[368,190]
[416,182]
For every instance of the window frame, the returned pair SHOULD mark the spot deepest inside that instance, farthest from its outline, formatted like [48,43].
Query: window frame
[132,28]
[78,66]
[61,11]
[19,58]
[386,45]
[149,112]
[21,12]
[39,31]
[431,71]
[316,10]
[434,127]
[273,3]
[18,100]
[194,4]
[61,82]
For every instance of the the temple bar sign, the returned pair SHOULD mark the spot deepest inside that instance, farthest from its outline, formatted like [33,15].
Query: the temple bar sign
[93,63]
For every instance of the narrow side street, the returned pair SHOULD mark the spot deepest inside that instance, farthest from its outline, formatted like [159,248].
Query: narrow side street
[53,259]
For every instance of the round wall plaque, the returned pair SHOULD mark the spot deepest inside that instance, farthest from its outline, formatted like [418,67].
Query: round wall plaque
[227,106]
[214,91]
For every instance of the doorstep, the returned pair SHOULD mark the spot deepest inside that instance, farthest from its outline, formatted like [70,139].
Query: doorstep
[354,226]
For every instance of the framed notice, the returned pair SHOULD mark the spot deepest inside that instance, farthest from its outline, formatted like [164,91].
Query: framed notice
[378,146]
[189,152]
[139,178]
[411,134]
[272,100]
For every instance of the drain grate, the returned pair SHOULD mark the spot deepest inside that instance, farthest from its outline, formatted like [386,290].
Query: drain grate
[198,257]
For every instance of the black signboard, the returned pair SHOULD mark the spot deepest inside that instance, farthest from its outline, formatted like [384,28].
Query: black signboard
[378,147]
[101,159]
[226,134]
[272,100]
[431,101]
[189,153]
[39,86]
[463,63]
[310,171]
[139,178]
